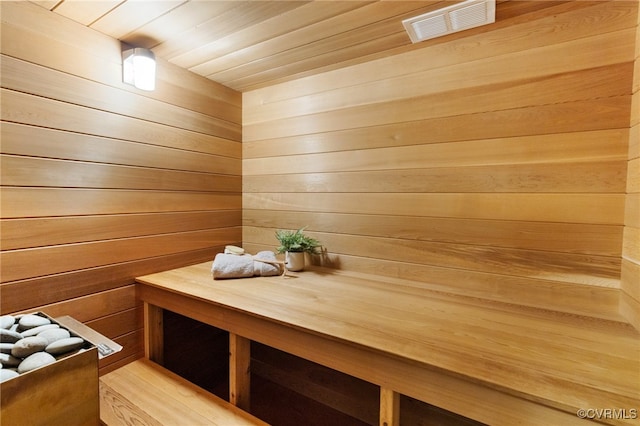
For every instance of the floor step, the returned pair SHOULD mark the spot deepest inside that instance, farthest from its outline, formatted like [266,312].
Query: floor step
[144,393]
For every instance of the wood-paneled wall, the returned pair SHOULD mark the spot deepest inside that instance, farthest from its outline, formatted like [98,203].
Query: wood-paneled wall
[493,164]
[630,297]
[102,182]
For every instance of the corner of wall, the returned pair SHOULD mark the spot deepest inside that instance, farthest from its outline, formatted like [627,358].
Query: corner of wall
[630,277]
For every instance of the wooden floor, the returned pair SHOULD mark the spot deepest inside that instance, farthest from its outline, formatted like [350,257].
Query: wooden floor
[143,393]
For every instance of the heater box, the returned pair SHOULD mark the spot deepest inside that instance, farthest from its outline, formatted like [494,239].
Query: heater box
[65,392]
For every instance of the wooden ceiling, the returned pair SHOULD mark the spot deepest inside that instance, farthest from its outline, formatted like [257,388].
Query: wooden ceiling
[251,44]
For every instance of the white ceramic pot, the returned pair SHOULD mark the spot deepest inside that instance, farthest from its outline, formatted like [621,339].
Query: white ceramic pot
[294,261]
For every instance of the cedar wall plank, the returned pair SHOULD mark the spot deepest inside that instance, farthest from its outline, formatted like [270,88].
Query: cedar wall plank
[630,277]
[556,149]
[28,171]
[32,141]
[38,232]
[580,269]
[490,157]
[610,112]
[35,202]
[34,262]
[26,77]
[102,182]
[539,90]
[605,176]
[30,293]
[37,111]
[572,208]
[603,240]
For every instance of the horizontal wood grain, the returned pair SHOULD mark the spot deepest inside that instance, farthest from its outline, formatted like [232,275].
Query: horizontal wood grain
[495,166]
[29,27]
[348,57]
[476,148]
[133,348]
[248,43]
[438,131]
[40,202]
[85,13]
[582,115]
[94,306]
[594,301]
[143,392]
[32,110]
[541,177]
[556,148]
[35,172]
[542,26]
[213,22]
[20,139]
[70,124]
[591,301]
[118,324]
[34,292]
[38,232]
[601,240]
[603,209]
[40,81]
[509,89]
[130,14]
[311,47]
[25,263]
[569,268]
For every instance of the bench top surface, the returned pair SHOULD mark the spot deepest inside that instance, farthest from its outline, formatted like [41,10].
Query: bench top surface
[576,361]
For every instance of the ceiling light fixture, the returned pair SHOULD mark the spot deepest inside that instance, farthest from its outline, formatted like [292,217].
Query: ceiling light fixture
[139,68]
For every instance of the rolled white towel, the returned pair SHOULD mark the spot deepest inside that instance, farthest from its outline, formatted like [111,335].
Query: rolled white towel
[266,268]
[232,266]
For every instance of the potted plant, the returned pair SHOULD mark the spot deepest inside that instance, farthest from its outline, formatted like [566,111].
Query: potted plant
[294,244]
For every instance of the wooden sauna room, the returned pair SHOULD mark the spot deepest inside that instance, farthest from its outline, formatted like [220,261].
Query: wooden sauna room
[476,195]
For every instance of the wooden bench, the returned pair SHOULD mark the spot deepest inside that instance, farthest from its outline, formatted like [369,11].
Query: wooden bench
[144,393]
[498,363]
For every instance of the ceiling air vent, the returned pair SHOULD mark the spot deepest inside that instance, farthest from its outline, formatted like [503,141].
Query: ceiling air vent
[451,19]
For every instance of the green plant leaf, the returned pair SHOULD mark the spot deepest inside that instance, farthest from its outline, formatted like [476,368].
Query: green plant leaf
[296,241]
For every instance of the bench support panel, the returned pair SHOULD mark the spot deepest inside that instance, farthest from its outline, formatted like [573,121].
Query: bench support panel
[153,333]
[239,371]
[389,407]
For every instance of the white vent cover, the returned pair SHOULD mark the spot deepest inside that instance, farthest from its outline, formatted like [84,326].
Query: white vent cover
[451,19]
